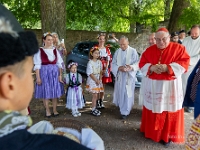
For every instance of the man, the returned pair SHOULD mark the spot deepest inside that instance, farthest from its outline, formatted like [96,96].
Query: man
[124,68]
[161,90]
[181,36]
[192,44]
[151,39]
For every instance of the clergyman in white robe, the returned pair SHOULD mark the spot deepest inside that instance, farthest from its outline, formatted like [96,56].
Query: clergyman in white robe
[124,81]
[193,48]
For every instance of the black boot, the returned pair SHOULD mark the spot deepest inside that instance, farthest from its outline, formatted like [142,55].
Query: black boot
[101,103]
[98,105]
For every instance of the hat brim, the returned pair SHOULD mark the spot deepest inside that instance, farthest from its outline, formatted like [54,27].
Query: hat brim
[5,13]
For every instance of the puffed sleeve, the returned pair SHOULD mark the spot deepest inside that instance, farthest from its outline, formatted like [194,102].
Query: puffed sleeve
[60,60]
[80,78]
[67,79]
[89,69]
[37,61]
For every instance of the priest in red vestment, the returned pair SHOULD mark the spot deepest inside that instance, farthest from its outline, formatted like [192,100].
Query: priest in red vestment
[161,91]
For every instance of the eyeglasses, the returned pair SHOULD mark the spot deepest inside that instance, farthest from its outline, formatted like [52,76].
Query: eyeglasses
[163,39]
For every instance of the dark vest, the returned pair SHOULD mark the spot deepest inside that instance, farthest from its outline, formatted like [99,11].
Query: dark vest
[71,83]
[44,57]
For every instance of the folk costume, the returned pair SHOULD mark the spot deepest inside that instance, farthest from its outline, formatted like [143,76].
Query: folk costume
[162,95]
[95,69]
[14,126]
[193,48]
[124,81]
[48,61]
[74,96]
[105,56]
[193,86]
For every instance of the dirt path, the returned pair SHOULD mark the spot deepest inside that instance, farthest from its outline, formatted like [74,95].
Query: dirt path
[116,133]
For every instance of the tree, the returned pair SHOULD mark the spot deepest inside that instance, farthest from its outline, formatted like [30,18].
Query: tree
[190,15]
[26,11]
[167,10]
[177,10]
[53,16]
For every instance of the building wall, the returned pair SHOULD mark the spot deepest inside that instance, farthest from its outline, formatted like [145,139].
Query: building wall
[138,41]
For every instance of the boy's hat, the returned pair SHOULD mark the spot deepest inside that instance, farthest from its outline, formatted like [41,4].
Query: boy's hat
[174,34]
[182,31]
[5,13]
[15,44]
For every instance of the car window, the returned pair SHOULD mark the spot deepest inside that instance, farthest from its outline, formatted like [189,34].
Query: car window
[84,48]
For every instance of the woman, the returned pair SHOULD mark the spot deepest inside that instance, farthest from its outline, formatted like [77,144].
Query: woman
[48,67]
[60,46]
[106,59]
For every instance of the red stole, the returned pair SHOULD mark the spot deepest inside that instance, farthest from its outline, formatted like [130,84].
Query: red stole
[44,57]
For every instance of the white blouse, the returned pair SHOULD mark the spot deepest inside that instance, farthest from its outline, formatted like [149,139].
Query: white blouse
[94,67]
[38,62]
[103,53]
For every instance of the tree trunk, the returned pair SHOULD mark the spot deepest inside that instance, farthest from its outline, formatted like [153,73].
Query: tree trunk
[177,9]
[132,28]
[167,10]
[53,17]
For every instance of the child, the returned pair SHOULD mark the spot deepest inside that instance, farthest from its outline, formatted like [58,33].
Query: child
[74,95]
[16,89]
[106,59]
[94,81]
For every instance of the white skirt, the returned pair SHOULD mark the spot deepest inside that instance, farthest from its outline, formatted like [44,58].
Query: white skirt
[161,95]
[74,98]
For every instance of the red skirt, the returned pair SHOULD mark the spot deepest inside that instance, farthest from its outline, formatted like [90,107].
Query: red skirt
[166,126]
[106,79]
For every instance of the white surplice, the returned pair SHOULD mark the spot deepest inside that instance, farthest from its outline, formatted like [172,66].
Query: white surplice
[123,95]
[193,48]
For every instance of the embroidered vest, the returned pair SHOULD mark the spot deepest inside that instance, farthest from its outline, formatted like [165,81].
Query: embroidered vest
[71,83]
[44,57]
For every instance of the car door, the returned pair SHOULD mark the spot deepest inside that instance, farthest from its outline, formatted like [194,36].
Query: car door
[83,56]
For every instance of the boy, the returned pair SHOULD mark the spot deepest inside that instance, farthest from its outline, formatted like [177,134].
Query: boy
[16,89]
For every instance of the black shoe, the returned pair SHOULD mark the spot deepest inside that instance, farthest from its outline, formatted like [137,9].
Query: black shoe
[166,144]
[96,112]
[55,115]
[124,116]
[48,116]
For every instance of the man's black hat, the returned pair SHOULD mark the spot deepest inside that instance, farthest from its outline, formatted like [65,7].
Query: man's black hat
[182,31]
[174,34]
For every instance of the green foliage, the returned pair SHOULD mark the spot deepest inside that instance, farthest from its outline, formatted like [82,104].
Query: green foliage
[26,11]
[104,15]
[113,46]
[112,15]
[190,15]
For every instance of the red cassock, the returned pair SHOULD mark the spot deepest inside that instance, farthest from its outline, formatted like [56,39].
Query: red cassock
[166,126]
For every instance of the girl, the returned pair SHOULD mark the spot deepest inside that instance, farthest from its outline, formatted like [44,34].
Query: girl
[48,67]
[106,59]
[94,81]
[74,95]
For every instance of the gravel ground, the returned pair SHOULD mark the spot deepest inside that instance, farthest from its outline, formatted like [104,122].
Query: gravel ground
[116,133]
